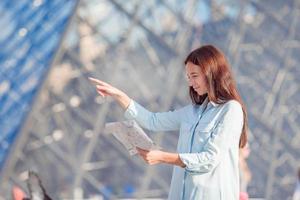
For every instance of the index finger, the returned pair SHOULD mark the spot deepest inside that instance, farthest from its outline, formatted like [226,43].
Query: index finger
[96,81]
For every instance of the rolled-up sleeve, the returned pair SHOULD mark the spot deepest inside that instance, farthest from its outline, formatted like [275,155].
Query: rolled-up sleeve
[161,121]
[224,136]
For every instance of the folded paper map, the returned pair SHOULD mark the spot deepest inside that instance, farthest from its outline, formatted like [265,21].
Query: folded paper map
[131,135]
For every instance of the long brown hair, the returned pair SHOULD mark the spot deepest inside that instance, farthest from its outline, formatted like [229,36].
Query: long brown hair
[220,82]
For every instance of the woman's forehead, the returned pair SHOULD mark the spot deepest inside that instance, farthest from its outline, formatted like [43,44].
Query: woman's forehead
[192,68]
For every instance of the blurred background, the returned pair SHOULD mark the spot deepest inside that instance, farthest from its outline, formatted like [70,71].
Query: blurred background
[51,118]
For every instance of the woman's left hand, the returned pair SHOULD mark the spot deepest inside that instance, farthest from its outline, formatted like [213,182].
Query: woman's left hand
[151,157]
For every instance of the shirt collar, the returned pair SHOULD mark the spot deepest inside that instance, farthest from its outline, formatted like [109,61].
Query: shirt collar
[209,102]
[213,103]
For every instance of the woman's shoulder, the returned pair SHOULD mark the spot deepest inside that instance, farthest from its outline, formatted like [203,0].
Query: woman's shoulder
[232,112]
[232,106]
[233,103]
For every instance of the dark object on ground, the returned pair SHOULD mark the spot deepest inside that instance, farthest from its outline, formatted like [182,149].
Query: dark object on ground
[35,188]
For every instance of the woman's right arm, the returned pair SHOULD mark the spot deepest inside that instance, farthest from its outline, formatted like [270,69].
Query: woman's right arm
[164,121]
[159,121]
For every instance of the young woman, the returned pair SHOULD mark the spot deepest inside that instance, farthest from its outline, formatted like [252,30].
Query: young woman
[211,129]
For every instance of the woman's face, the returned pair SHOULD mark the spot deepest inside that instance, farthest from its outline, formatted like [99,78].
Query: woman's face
[196,78]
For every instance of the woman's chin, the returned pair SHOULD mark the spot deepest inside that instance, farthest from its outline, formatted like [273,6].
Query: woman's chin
[201,93]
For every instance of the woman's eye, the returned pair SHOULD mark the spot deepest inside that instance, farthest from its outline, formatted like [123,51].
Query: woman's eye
[189,77]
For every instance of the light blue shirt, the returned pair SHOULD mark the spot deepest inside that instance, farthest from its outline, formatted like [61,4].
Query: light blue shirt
[208,145]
